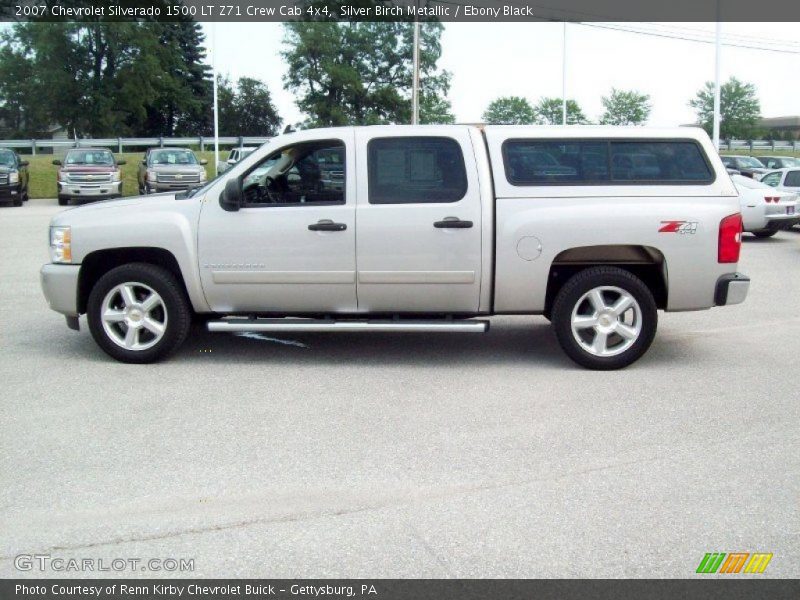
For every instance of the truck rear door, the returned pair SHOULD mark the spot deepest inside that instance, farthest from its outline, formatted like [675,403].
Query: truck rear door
[418,215]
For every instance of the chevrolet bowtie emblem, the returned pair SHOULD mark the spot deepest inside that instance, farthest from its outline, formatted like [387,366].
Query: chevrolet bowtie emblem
[178,176]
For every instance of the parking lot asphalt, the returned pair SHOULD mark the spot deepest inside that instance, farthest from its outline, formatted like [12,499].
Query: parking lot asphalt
[402,455]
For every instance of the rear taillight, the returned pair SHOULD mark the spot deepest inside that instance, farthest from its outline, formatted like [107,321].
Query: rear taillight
[730,239]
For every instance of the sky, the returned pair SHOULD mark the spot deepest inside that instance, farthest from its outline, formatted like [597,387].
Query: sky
[488,60]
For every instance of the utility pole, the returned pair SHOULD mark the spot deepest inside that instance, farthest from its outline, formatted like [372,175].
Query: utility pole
[415,81]
[564,77]
[717,89]
[216,105]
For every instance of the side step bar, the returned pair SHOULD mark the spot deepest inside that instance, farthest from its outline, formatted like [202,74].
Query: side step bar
[277,325]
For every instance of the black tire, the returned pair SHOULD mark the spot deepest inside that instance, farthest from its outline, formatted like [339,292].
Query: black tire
[63,200]
[764,234]
[571,298]
[176,310]
[16,202]
[25,196]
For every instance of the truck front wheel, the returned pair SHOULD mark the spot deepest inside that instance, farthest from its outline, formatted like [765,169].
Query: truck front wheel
[605,318]
[138,313]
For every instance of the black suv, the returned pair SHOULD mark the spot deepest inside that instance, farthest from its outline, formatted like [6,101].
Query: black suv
[13,178]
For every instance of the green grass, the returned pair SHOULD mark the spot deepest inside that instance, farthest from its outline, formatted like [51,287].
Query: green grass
[43,172]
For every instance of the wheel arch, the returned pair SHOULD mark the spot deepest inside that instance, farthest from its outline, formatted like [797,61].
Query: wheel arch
[645,262]
[100,262]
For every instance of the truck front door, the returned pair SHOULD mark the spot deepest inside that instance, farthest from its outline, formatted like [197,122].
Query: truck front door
[291,246]
[418,245]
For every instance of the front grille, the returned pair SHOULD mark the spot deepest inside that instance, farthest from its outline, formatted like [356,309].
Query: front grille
[178,178]
[89,177]
[3,179]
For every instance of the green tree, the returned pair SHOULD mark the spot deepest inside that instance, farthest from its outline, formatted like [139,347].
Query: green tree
[625,108]
[549,112]
[359,73]
[105,79]
[509,110]
[246,108]
[740,109]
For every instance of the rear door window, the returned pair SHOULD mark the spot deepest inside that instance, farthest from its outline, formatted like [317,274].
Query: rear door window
[414,170]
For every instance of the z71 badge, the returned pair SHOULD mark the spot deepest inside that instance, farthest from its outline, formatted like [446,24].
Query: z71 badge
[682,227]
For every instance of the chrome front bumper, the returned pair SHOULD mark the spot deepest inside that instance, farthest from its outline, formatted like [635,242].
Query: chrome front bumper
[60,287]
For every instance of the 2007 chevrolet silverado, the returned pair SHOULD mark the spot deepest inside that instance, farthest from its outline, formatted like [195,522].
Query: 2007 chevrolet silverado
[430,229]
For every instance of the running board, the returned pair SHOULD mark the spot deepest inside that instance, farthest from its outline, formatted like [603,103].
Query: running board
[298,325]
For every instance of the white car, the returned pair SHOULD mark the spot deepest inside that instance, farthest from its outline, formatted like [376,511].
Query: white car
[787,180]
[765,211]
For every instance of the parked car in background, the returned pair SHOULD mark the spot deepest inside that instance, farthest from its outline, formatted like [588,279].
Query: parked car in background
[765,211]
[234,157]
[779,162]
[170,170]
[433,228]
[748,166]
[787,180]
[88,174]
[13,178]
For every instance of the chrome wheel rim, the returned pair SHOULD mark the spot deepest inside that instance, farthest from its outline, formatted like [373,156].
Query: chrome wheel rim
[606,321]
[134,316]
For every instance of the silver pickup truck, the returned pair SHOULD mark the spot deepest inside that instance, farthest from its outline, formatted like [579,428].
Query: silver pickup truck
[430,229]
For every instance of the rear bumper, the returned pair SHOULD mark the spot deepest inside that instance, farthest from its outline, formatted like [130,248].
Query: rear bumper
[731,289]
[60,287]
[779,222]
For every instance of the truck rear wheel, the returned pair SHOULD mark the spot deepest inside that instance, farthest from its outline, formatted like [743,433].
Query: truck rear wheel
[138,313]
[605,318]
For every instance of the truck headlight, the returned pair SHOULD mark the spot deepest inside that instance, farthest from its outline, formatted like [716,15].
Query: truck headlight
[203,175]
[60,245]
[13,177]
[152,176]
[116,175]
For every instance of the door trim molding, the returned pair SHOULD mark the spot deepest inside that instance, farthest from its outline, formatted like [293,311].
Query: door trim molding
[424,277]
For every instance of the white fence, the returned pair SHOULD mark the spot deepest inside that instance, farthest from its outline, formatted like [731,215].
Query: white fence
[120,144]
[757,145]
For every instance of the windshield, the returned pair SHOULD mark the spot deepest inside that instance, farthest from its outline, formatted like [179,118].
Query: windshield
[89,157]
[172,157]
[7,159]
[749,161]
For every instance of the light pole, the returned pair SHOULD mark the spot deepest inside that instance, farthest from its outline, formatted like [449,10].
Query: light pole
[415,81]
[216,106]
[564,78]
[717,90]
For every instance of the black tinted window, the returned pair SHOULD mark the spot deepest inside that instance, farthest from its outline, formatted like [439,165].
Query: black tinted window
[579,162]
[535,162]
[659,162]
[792,179]
[412,170]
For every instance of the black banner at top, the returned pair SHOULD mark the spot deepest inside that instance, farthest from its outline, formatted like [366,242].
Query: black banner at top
[402,10]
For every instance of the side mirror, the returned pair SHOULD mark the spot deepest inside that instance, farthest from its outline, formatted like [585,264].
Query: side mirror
[57,162]
[203,161]
[231,197]
[23,163]
[121,161]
